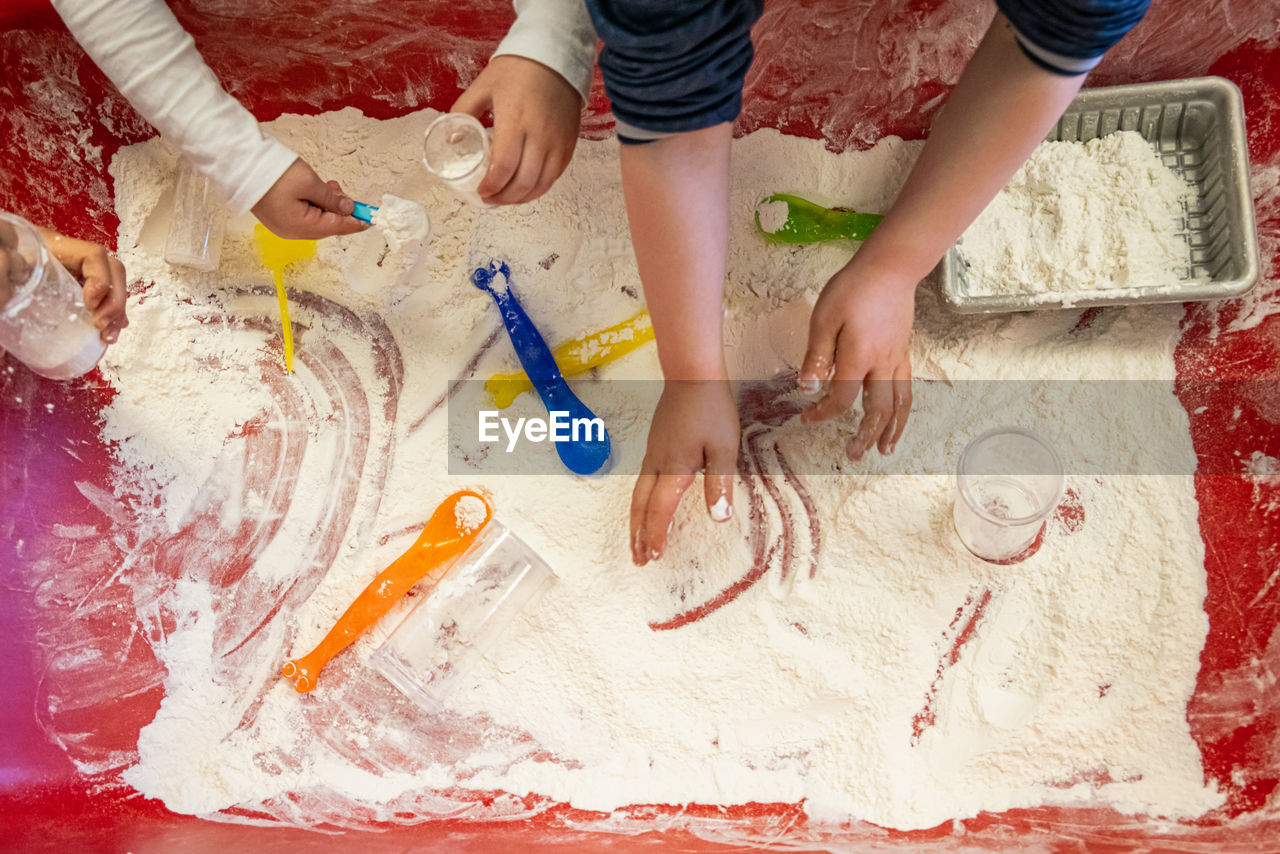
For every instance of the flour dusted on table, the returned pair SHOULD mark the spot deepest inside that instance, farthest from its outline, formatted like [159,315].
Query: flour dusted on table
[1100,215]
[826,677]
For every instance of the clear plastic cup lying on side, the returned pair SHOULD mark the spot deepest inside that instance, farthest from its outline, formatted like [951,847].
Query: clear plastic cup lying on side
[459,620]
[456,150]
[197,222]
[44,322]
[1008,482]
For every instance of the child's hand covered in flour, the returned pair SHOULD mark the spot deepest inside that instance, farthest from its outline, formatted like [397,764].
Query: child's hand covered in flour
[694,429]
[859,337]
[536,114]
[301,206]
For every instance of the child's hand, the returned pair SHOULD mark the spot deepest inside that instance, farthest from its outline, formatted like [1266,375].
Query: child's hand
[100,274]
[694,428]
[13,267]
[859,336]
[300,206]
[535,126]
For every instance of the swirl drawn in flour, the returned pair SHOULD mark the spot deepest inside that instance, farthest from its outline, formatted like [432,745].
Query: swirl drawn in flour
[784,531]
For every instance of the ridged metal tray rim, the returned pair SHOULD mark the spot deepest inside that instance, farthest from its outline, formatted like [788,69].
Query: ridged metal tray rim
[1229,104]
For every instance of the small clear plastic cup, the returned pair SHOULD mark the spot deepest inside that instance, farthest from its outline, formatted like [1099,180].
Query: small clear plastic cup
[197,222]
[1008,482]
[43,319]
[459,620]
[456,150]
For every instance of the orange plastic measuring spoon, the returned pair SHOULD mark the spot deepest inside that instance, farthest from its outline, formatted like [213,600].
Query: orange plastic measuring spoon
[448,533]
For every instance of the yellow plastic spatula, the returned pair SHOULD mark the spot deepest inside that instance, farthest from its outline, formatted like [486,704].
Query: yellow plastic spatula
[278,253]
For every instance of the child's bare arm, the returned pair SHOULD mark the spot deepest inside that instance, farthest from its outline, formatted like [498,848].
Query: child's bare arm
[860,332]
[677,203]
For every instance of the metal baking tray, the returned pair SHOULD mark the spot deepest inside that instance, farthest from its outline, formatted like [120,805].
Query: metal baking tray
[1197,128]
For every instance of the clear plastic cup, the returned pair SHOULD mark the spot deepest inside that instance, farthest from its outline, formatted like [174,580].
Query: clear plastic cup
[197,222]
[456,150]
[43,318]
[459,620]
[1008,482]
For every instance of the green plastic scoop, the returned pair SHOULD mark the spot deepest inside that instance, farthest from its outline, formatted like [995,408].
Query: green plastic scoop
[809,222]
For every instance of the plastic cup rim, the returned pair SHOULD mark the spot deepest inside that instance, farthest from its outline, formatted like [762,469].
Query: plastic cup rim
[23,294]
[976,507]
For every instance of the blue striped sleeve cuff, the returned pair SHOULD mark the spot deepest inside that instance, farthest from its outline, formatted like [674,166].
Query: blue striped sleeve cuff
[1071,36]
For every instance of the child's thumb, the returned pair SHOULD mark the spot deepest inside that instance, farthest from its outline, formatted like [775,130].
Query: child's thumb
[476,101]
[329,197]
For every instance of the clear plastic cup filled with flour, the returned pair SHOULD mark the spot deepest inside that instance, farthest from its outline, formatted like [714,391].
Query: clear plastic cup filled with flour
[197,222]
[459,620]
[456,150]
[1008,482]
[43,319]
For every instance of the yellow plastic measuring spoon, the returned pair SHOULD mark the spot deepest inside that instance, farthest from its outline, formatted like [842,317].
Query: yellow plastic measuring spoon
[578,355]
[278,253]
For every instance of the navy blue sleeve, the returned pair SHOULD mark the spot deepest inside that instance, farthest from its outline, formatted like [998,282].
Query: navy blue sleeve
[670,67]
[1070,36]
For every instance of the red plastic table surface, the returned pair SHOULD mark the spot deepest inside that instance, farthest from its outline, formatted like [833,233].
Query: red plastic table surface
[848,72]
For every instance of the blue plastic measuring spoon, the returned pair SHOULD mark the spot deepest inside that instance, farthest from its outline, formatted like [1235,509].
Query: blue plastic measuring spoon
[590,450]
[364,212]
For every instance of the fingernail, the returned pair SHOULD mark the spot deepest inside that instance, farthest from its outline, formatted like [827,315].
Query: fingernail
[722,510]
[809,384]
[110,337]
[893,447]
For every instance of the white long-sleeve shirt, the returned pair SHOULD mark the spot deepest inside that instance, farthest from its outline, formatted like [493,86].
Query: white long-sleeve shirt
[558,34]
[154,63]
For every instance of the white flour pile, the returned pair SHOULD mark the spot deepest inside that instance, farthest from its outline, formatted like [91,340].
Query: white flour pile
[403,223]
[1081,217]
[773,215]
[382,259]
[469,513]
[837,690]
